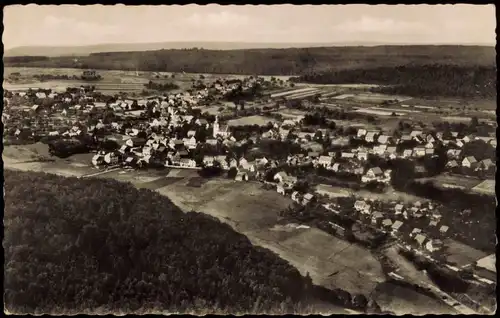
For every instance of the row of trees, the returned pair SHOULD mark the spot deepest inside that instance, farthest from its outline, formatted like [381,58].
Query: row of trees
[161,87]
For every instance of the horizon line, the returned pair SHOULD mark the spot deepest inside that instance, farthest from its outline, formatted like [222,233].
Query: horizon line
[381,43]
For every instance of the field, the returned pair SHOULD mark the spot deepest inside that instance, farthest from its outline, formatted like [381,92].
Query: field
[331,191]
[291,113]
[330,261]
[405,301]
[250,120]
[456,119]
[29,152]
[368,97]
[461,254]
[402,110]
[112,81]
[253,211]
[371,111]
[452,181]
[486,187]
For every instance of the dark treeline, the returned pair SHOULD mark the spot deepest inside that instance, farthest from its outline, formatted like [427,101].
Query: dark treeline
[26,59]
[76,245]
[417,80]
[161,87]
[292,61]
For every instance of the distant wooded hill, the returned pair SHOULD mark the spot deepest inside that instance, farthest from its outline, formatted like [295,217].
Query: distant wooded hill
[417,80]
[130,47]
[293,61]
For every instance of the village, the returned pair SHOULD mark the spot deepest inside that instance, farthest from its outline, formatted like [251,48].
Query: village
[346,171]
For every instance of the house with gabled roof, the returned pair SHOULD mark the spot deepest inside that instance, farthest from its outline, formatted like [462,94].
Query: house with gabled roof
[384,139]
[361,132]
[347,155]
[362,155]
[415,133]
[418,152]
[407,153]
[376,216]
[405,138]
[398,208]
[387,223]
[372,174]
[486,164]
[443,229]
[420,239]
[370,136]
[308,197]
[362,206]
[396,226]
[241,176]
[469,162]
[325,161]
[452,164]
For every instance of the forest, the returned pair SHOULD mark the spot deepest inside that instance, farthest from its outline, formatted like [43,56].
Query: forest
[91,245]
[426,80]
[291,61]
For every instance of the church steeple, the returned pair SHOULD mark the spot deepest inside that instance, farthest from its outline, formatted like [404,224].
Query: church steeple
[216,126]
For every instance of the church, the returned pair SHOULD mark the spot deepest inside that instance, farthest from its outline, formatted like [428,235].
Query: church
[220,130]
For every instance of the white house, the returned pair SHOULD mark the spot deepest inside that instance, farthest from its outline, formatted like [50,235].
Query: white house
[188,163]
[420,239]
[387,223]
[407,153]
[241,176]
[325,161]
[97,160]
[452,164]
[362,156]
[418,152]
[208,161]
[372,174]
[443,229]
[416,133]
[370,136]
[396,226]
[307,198]
[362,206]
[383,139]
[398,208]
[453,153]
[361,132]
[347,155]
[469,162]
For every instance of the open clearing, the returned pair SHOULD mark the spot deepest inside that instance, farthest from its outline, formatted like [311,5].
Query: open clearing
[251,120]
[461,254]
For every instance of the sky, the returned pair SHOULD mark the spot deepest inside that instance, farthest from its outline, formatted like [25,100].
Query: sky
[70,25]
